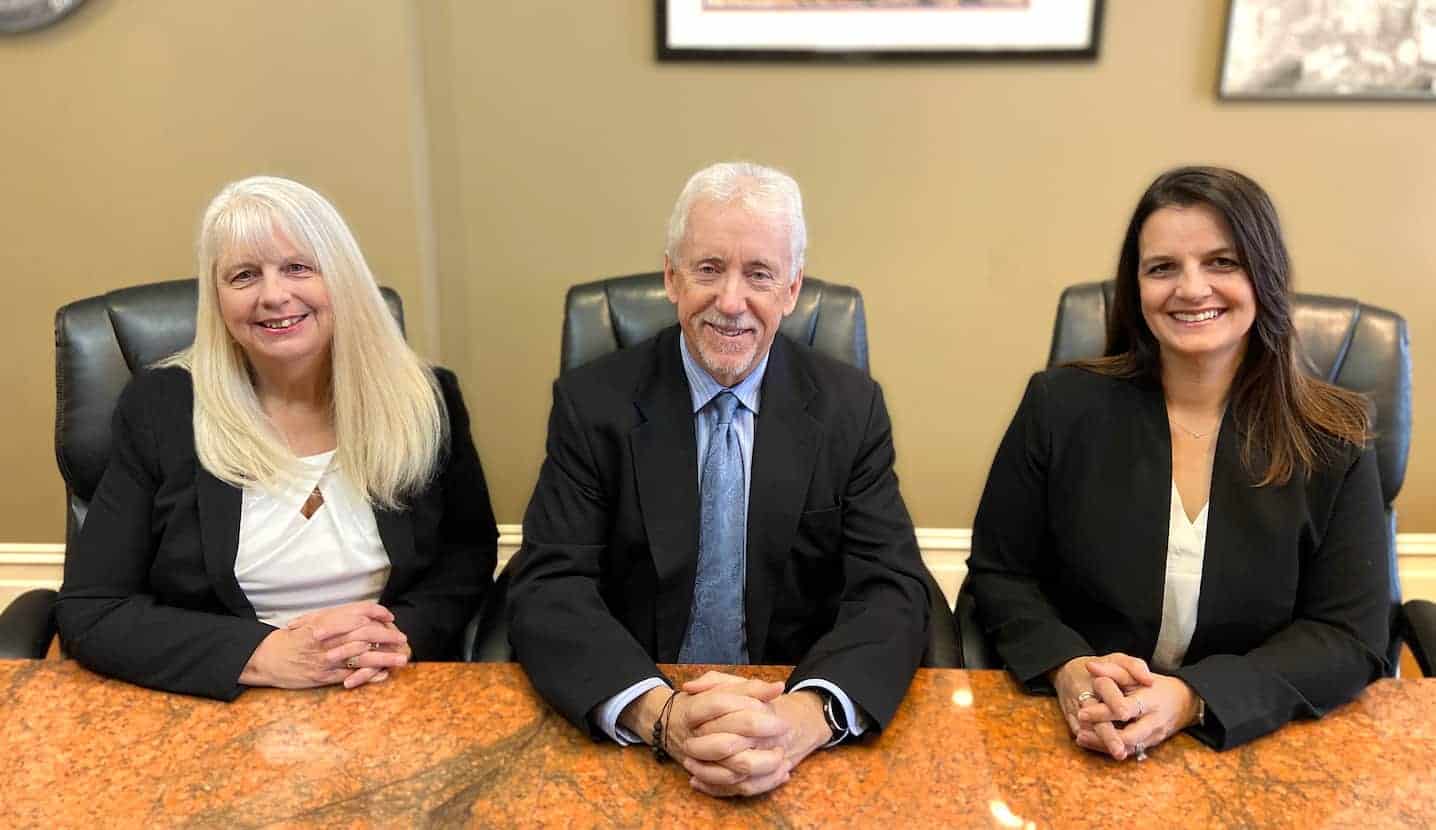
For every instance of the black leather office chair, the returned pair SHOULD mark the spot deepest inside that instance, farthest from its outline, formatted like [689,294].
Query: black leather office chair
[607,315]
[100,342]
[1358,347]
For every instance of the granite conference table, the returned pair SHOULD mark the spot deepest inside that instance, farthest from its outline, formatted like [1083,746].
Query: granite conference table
[472,745]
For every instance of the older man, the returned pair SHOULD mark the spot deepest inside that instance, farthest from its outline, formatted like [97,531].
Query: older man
[721,494]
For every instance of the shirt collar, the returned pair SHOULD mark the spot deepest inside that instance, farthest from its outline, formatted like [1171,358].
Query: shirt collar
[703,388]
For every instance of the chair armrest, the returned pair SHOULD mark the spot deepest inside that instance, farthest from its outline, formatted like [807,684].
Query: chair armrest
[942,651]
[974,651]
[28,625]
[1419,627]
[486,640]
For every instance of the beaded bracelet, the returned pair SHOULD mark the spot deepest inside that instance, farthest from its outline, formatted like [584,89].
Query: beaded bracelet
[660,730]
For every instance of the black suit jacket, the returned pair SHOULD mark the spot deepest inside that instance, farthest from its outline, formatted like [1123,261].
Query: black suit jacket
[150,594]
[1070,545]
[604,582]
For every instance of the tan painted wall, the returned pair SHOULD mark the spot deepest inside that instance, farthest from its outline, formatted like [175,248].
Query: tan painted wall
[121,122]
[960,198]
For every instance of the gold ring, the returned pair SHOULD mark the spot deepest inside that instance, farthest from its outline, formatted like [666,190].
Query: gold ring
[1084,697]
[352,662]
[373,646]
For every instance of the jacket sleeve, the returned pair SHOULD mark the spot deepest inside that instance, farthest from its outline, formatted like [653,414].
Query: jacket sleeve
[434,609]
[108,617]
[1335,643]
[576,653]
[880,632]
[1007,564]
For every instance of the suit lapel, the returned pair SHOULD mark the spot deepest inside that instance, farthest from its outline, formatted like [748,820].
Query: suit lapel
[219,511]
[665,463]
[785,448]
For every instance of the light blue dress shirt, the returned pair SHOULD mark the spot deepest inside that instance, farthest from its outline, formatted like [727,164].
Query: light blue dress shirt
[703,389]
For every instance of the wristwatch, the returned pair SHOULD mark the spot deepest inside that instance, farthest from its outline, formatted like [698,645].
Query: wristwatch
[835,716]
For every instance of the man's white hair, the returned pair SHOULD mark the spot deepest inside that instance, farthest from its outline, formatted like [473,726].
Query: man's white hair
[763,190]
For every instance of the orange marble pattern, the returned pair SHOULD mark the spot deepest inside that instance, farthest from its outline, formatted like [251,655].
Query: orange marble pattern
[471,745]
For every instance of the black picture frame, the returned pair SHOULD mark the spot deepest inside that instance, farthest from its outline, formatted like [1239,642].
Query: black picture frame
[668,52]
[1256,68]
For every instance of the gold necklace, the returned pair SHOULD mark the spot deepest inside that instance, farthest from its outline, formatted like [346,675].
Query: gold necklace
[1197,436]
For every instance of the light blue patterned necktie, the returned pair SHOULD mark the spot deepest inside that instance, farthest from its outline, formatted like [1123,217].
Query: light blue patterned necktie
[715,628]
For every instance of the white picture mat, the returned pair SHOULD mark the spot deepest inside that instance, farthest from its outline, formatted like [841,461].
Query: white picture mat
[1043,24]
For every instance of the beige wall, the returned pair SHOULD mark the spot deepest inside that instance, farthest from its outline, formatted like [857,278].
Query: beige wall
[521,147]
[960,198]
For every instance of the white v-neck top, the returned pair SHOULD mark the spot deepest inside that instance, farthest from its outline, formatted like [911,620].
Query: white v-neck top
[1186,546]
[288,565]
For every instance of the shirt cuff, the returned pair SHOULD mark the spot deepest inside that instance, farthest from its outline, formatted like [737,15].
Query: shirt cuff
[605,716]
[856,725]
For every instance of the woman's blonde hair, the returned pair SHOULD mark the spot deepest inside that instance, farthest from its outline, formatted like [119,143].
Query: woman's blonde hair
[388,418]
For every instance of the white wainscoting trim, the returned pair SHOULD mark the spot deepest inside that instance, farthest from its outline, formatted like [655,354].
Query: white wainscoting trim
[17,554]
[945,550]
[24,566]
[1416,544]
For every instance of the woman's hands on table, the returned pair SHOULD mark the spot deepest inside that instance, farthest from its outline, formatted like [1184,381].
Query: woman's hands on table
[352,644]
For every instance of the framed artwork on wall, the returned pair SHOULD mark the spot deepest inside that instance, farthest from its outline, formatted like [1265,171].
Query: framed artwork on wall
[1333,49]
[858,30]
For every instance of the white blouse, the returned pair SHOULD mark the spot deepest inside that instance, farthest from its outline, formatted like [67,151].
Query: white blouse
[1186,545]
[288,565]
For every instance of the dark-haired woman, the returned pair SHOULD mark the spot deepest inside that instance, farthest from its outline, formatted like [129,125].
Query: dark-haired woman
[1187,533]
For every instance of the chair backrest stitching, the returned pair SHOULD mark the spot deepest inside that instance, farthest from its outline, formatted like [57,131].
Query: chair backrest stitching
[110,314]
[60,405]
[1340,361]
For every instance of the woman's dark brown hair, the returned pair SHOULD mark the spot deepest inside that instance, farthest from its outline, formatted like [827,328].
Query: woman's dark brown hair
[1288,417]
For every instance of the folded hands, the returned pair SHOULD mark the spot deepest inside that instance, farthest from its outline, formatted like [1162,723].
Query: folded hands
[733,735]
[351,644]
[1117,705]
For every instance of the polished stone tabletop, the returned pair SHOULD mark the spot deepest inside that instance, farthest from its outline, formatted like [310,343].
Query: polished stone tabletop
[471,745]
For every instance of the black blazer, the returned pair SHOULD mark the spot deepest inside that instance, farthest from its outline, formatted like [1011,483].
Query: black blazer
[150,594]
[604,581]
[1069,557]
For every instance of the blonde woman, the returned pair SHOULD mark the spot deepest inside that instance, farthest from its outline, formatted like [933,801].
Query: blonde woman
[294,500]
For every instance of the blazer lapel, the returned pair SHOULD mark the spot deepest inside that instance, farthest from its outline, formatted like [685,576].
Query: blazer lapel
[219,509]
[785,448]
[1225,559]
[396,531]
[665,463]
[1145,566]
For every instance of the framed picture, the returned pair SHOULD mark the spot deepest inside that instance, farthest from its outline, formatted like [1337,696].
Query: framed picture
[1335,49]
[847,30]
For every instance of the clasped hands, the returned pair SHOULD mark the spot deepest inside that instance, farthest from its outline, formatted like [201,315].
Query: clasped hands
[352,644]
[1115,704]
[734,735]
